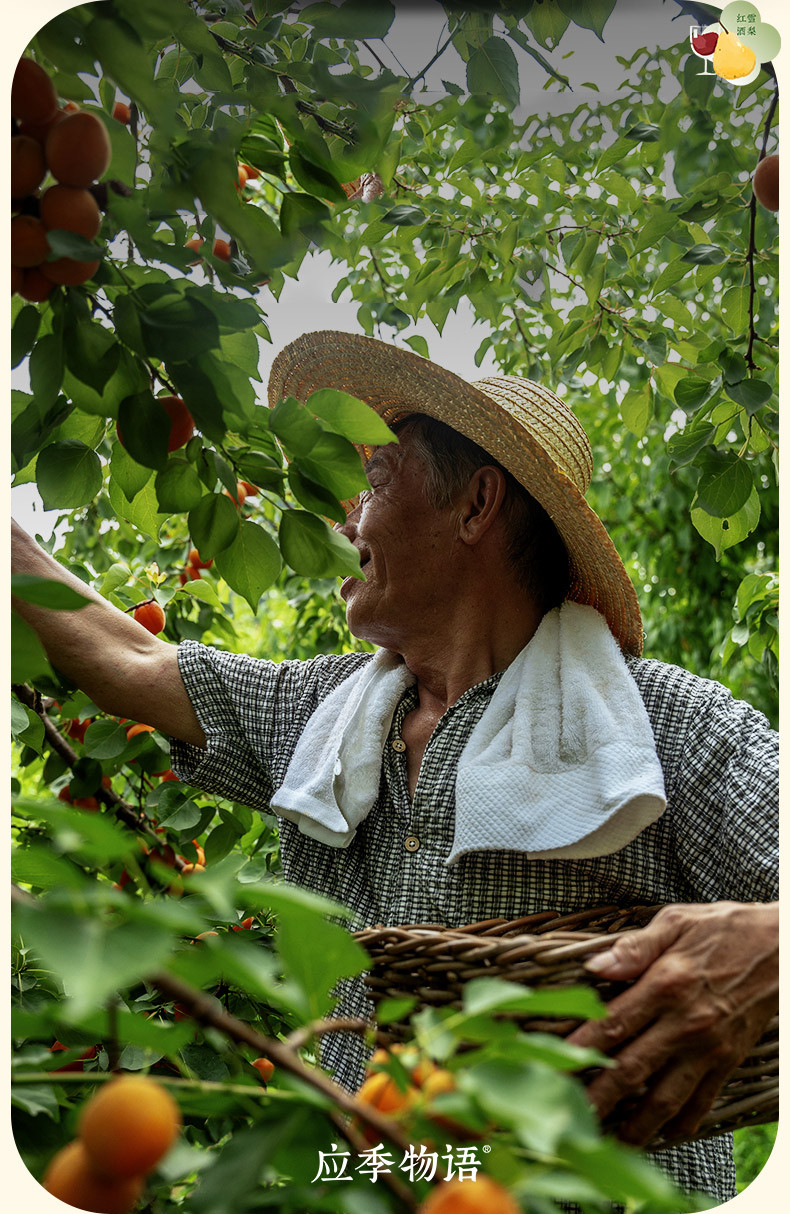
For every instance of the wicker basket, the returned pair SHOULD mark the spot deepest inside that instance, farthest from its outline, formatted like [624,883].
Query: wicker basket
[432,963]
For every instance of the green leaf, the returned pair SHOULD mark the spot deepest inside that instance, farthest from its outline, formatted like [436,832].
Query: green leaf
[125,472]
[353,19]
[548,22]
[294,425]
[178,488]
[250,563]
[734,367]
[28,659]
[589,14]
[143,512]
[705,255]
[46,370]
[693,392]
[725,485]
[46,593]
[213,524]
[735,308]
[352,418]
[644,132]
[635,408]
[92,352]
[175,327]
[685,446]
[404,215]
[69,244]
[92,959]
[24,333]
[750,394]
[492,70]
[420,345]
[314,497]
[105,740]
[614,153]
[144,429]
[302,214]
[653,347]
[313,549]
[68,474]
[313,177]
[335,464]
[497,994]
[672,272]
[657,225]
[315,954]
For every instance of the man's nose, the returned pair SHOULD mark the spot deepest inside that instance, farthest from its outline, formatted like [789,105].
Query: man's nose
[349,527]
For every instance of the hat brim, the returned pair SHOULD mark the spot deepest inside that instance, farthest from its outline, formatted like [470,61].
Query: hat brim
[397,382]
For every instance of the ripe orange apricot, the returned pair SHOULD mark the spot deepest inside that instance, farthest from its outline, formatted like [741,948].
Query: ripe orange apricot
[129,1125]
[66,272]
[264,1067]
[195,868]
[250,489]
[383,1093]
[480,1196]
[70,209]
[766,182]
[221,249]
[121,112]
[29,245]
[71,1178]
[78,149]
[252,173]
[33,96]
[134,730]
[36,287]
[240,496]
[182,427]
[40,130]
[194,560]
[17,279]
[242,181]
[195,244]
[27,166]
[189,574]
[152,617]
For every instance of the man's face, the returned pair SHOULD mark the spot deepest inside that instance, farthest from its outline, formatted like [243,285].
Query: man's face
[405,547]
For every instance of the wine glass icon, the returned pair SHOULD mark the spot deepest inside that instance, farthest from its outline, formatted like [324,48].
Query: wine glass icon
[703,44]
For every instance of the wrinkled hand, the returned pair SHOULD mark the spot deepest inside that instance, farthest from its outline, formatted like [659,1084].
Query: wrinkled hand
[709,985]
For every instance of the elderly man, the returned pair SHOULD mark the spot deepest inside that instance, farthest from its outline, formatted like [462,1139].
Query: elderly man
[506,750]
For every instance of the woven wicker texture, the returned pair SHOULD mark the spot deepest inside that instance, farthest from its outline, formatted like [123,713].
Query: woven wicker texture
[432,963]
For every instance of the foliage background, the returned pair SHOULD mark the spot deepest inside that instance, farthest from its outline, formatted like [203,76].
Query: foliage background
[609,251]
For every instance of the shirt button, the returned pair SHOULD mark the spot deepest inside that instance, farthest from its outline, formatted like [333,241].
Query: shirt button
[399,745]
[411,843]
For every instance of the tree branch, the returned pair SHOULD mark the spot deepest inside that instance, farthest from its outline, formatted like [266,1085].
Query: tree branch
[420,75]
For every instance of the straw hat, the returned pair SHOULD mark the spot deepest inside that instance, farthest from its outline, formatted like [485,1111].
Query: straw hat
[526,427]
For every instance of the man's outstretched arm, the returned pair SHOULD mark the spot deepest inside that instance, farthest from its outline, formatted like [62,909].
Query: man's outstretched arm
[123,668]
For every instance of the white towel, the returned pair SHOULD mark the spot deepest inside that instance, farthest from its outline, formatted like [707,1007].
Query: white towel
[561,763]
[333,778]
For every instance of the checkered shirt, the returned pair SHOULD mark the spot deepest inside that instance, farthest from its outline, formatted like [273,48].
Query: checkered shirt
[716,840]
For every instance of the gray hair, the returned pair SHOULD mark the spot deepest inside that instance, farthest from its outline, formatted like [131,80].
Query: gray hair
[536,553]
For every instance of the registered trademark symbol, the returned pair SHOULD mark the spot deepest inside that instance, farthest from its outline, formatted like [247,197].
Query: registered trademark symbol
[486,1149]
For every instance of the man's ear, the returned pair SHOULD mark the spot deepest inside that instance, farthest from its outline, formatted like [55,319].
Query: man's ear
[480,503]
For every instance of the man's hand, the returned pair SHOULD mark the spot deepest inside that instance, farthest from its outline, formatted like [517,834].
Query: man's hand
[709,985]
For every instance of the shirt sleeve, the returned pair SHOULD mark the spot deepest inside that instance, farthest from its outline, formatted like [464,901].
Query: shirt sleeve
[726,797]
[252,712]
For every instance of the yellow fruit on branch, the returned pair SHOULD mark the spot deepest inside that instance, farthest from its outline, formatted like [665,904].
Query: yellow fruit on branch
[128,1126]
[71,1178]
[480,1196]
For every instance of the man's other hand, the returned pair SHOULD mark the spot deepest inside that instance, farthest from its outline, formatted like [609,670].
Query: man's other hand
[707,983]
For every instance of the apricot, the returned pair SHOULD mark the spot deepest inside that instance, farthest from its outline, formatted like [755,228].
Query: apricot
[383,1093]
[36,287]
[40,130]
[240,495]
[71,1178]
[66,272]
[134,730]
[152,617]
[766,183]
[264,1067]
[70,209]
[250,489]
[33,96]
[29,246]
[78,149]
[242,177]
[194,560]
[221,249]
[252,173]
[189,574]
[182,427]
[121,112]
[129,1125]
[195,244]
[27,166]
[480,1196]
[78,1064]
[194,868]
[17,279]
[76,729]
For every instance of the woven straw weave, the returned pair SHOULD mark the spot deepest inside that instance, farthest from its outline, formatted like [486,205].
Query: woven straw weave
[432,963]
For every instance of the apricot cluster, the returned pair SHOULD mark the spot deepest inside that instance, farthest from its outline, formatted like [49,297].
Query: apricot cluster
[69,146]
[124,1130]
